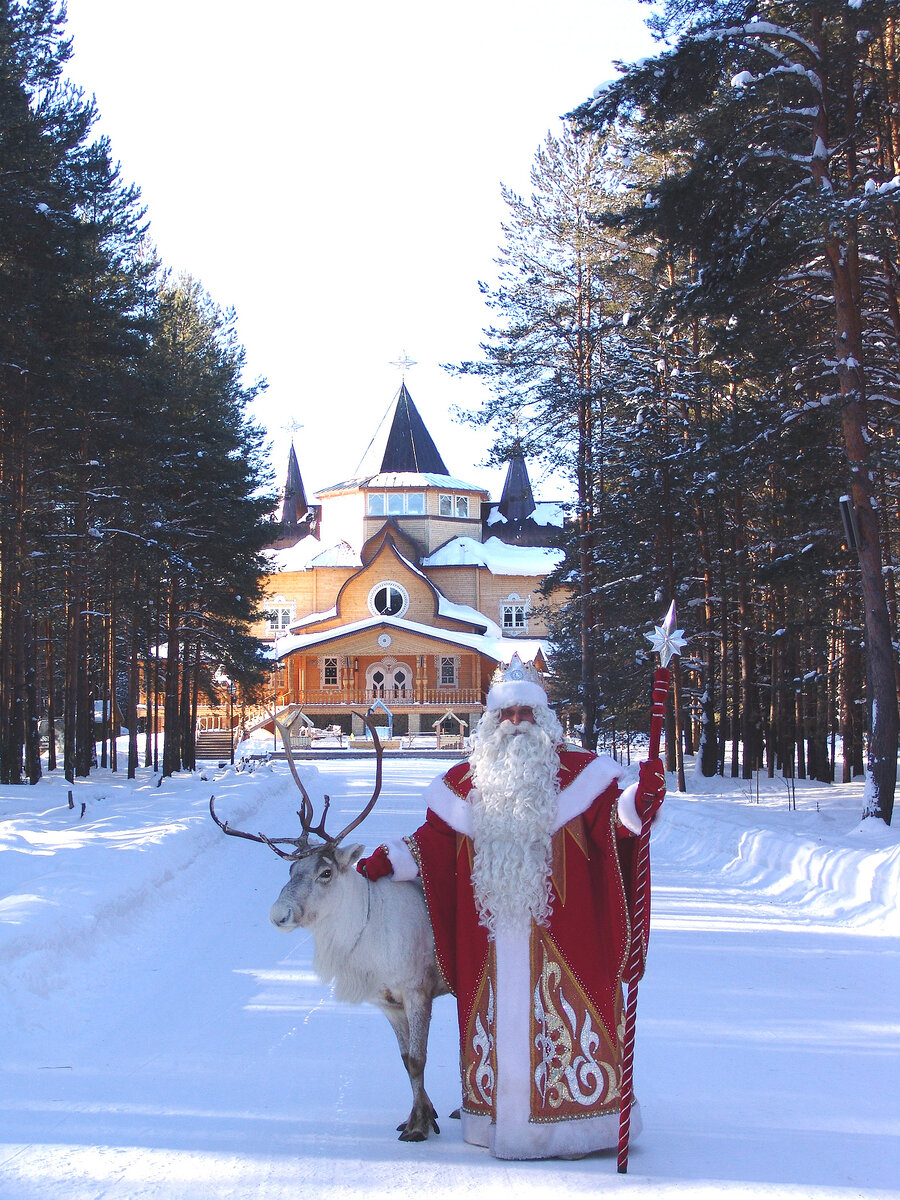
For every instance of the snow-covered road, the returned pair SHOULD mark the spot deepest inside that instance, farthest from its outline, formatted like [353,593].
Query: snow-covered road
[161,1041]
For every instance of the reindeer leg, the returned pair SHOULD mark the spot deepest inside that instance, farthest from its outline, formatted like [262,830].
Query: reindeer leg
[410,1023]
[422,1118]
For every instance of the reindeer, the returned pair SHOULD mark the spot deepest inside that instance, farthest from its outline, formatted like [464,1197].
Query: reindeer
[372,940]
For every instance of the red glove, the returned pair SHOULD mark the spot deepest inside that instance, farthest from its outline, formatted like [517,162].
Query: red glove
[376,865]
[651,789]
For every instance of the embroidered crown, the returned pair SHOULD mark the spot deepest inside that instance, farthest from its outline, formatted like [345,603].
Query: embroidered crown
[516,683]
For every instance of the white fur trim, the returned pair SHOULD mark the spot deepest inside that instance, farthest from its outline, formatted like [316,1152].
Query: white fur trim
[405,866]
[584,790]
[561,1139]
[628,813]
[448,806]
[514,1135]
[573,800]
[516,691]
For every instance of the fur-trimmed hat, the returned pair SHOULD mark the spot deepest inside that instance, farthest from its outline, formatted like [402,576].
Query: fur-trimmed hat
[517,684]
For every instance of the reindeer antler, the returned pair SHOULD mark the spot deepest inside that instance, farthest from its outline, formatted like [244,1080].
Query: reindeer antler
[257,837]
[379,762]
[306,807]
[306,813]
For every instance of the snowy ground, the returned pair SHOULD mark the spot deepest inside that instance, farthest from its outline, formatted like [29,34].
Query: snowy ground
[161,1041]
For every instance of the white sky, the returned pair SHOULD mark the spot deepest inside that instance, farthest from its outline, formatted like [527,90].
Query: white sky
[332,171]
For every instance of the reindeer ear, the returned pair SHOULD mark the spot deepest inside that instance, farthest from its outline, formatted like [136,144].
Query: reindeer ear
[346,856]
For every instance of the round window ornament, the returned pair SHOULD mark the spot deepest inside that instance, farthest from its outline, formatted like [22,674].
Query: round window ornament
[388,599]
[384,640]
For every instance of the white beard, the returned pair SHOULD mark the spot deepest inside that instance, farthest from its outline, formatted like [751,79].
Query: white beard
[513,810]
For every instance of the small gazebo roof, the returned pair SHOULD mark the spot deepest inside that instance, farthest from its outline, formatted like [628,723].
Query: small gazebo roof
[450,715]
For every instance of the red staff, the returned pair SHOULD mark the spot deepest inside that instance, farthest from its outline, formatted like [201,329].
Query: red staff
[667,641]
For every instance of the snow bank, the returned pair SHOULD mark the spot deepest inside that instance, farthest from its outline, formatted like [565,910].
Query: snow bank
[66,876]
[820,858]
[162,1040]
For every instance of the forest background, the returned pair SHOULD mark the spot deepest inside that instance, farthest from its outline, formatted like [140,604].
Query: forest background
[697,320]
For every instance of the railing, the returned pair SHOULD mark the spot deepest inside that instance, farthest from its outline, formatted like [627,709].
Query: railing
[257,714]
[444,698]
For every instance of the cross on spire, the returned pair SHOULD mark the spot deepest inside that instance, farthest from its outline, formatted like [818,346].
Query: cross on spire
[403,364]
[292,426]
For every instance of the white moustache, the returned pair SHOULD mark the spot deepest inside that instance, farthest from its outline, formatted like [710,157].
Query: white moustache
[527,729]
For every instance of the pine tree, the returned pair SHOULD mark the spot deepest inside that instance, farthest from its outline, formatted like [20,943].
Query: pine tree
[44,125]
[128,467]
[549,361]
[779,123]
[207,508]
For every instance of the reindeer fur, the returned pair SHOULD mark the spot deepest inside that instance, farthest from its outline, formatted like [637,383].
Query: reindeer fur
[374,942]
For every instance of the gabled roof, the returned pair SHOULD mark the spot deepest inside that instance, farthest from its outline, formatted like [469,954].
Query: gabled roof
[400,541]
[401,442]
[500,649]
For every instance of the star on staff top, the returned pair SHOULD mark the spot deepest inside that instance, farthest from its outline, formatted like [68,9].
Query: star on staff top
[665,639]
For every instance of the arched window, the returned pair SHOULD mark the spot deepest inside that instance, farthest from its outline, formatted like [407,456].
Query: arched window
[389,680]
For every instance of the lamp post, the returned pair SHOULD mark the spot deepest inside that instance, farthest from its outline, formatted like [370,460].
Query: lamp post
[231,691]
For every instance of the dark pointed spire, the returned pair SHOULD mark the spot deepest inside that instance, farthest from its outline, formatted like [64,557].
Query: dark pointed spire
[517,501]
[294,508]
[298,518]
[408,446]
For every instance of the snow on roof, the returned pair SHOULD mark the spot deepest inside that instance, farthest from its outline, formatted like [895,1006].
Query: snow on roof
[308,553]
[341,554]
[500,649]
[500,558]
[327,614]
[403,479]
[464,612]
[545,512]
[549,512]
[446,608]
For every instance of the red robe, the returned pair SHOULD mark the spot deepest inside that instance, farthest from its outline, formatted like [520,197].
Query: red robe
[540,1013]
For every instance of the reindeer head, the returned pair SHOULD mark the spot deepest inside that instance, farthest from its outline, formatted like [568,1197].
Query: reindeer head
[317,887]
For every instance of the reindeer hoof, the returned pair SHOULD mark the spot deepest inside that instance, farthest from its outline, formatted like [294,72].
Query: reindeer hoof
[413,1132]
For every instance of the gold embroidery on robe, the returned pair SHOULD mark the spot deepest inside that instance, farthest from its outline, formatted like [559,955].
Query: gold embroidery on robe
[575,1067]
[576,831]
[479,1065]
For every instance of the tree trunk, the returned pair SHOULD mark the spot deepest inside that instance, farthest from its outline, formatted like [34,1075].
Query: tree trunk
[841,253]
[131,717]
[172,714]
[51,699]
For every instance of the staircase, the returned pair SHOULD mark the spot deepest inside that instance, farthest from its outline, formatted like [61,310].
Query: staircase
[215,743]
